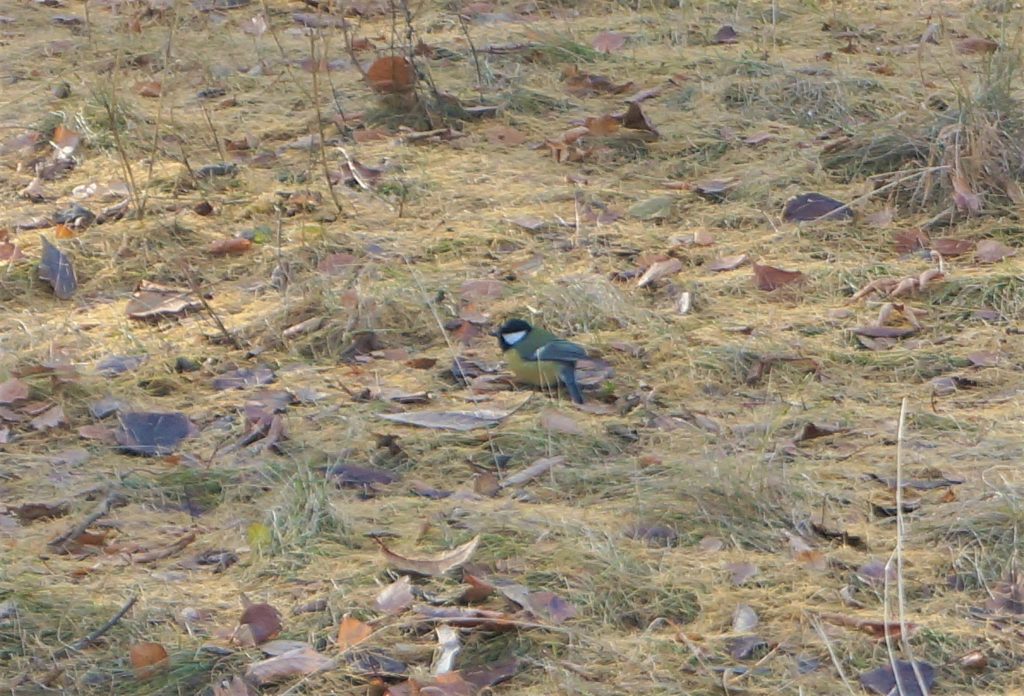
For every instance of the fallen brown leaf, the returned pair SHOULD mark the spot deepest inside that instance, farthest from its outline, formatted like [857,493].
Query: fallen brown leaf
[769,278]
[435,565]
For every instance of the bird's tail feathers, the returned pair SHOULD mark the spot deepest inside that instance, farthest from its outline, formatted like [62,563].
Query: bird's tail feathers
[568,378]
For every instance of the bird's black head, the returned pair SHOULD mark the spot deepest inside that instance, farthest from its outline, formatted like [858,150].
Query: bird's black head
[512,332]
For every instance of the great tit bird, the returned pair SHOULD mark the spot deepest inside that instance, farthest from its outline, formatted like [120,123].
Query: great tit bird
[540,358]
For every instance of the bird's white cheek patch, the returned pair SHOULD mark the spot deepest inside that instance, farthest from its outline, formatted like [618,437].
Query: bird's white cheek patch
[514,337]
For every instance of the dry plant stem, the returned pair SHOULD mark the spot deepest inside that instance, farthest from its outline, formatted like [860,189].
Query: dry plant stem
[320,126]
[102,510]
[98,633]
[159,112]
[473,51]
[228,336]
[111,104]
[924,171]
[897,558]
[832,654]
[213,133]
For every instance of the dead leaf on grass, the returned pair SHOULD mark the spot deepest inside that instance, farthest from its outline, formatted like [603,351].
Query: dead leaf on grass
[557,422]
[56,269]
[352,632]
[538,468]
[391,75]
[504,135]
[741,571]
[658,270]
[258,624]
[952,247]
[726,34]
[236,686]
[744,619]
[435,565]
[147,659]
[769,278]
[805,554]
[151,301]
[809,207]
[51,418]
[976,45]
[449,420]
[13,390]
[229,246]
[964,198]
[993,251]
[608,42]
[396,597]
[294,663]
[153,433]
[244,377]
[149,88]
[874,628]
[884,682]
[727,263]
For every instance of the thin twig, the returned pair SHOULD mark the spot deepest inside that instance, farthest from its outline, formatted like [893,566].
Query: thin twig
[320,125]
[897,557]
[98,633]
[103,509]
[194,287]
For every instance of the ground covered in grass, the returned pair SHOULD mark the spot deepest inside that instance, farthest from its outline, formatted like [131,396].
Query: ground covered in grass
[742,506]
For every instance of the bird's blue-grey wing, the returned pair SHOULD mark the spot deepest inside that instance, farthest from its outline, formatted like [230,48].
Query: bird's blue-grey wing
[559,351]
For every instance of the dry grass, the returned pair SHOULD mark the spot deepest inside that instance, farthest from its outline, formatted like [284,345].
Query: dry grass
[440,215]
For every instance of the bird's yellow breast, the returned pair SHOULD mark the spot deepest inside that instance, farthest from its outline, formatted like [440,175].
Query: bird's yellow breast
[536,372]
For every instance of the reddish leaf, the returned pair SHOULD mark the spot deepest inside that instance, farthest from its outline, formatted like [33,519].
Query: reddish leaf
[504,135]
[352,632]
[229,245]
[878,630]
[337,264]
[258,624]
[952,247]
[769,278]
[391,75]
[976,44]
[636,119]
[147,658]
[608,42]
[148,89]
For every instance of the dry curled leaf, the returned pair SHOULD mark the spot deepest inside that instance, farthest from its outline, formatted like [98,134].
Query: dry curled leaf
[658,270]
[769,278]
[435,565]
[299,662]
[258,624]
[727,263]
[56,268]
